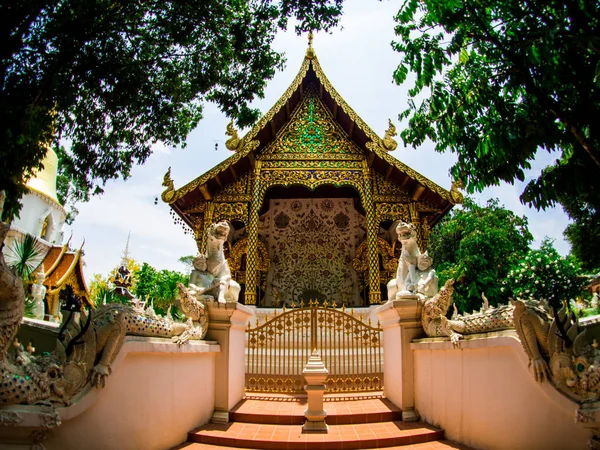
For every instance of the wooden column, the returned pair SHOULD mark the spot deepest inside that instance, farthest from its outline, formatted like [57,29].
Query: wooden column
[201,237]
[251,262]
[372,227]
[416,221]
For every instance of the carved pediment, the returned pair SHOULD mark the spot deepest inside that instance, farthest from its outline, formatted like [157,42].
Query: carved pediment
[312,131]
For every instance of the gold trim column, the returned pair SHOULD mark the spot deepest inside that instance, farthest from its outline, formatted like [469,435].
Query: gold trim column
[372,227]
[416,221]
[207,222]
[251,262]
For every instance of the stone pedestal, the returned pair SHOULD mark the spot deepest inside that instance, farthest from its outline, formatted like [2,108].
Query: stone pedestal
[315,373]
[26,426]
[227,325]
[401,323]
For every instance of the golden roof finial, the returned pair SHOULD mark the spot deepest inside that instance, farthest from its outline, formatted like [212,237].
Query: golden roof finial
[310,51]
[169,194]
[389,143]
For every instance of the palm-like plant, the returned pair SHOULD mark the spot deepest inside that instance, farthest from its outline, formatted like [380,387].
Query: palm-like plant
[25,256]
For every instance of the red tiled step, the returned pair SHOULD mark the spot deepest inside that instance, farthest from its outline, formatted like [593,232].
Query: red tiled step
[290,437]
[291,412]
[434,445]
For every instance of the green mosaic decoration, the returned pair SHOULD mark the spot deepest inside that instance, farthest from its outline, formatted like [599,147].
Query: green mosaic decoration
[312,131]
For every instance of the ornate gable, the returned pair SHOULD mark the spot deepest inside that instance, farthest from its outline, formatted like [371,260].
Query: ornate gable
[312,132]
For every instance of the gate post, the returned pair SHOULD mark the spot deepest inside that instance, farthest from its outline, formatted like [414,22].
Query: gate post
[227,325]
[401,323]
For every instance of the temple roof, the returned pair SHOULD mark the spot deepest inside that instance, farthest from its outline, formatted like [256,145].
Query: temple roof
[65,267]
[310,76]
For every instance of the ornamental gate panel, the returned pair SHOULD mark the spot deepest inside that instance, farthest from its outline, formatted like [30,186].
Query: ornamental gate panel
[278,349]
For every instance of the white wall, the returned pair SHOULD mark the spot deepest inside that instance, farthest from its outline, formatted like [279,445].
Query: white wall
[157,392]
[36,207]
[483,395]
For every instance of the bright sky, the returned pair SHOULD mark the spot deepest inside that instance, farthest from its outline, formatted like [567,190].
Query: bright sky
[359,62]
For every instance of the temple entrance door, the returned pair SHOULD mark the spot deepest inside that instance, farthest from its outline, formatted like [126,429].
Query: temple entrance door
[277,351]
[311,238]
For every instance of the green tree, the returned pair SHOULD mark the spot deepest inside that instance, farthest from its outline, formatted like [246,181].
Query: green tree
[543,274]
[158,287]
[497,81]
[116,77]
[102,288]
[477,246]
[188,262]
[584,233]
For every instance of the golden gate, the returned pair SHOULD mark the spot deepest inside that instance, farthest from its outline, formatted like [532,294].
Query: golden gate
[278,349]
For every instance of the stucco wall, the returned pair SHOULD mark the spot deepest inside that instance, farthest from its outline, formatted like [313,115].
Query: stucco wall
[157,392]
[483,395]
[36,208]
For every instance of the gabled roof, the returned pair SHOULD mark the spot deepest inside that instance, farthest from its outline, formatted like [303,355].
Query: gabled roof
[266,129]
[64,265]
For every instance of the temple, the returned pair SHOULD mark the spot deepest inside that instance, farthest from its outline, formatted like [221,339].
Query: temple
[313,197]
[313,220]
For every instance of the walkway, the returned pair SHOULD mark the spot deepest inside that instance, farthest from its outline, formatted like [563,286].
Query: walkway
[356,422]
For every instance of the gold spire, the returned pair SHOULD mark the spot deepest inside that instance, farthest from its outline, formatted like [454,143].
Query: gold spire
[310,51]
[44,181]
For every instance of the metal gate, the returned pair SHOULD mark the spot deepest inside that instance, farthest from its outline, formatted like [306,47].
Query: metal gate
[278,349]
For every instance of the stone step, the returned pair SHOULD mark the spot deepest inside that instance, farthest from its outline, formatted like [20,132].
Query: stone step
[433,445]
[290,437]
[339,411]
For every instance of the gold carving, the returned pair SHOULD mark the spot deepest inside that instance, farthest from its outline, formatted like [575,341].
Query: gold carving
[391,211]
[384,186]
[312,130]
[231,211]
[233,142]
[168,196]
[455,195]
[388,140]
[241,248]
[312,178]
[311,157]
[361,263]
[312,165]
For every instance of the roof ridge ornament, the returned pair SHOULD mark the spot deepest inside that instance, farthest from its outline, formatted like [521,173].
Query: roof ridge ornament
[233,143]
[168,196]
[455,194]
[310,51]
[389,143]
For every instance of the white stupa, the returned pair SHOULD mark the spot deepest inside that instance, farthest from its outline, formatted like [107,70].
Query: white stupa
[41,215]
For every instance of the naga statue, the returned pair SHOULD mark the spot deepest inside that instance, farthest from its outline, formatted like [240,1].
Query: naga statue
[573,368]
[211,271]
[88,342]
[435,322]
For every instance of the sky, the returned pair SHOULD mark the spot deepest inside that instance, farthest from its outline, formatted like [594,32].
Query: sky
[359,61]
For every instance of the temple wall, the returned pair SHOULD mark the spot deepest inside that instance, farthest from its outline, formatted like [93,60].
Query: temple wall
[157,393]
[483,395]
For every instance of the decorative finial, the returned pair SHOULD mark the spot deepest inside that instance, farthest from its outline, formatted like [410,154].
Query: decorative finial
[169,194]
[233,142]
[125,258]
[455,194]
[389,142]
[310,52]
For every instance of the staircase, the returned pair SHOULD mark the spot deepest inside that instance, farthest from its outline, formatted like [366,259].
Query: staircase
[354,423]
